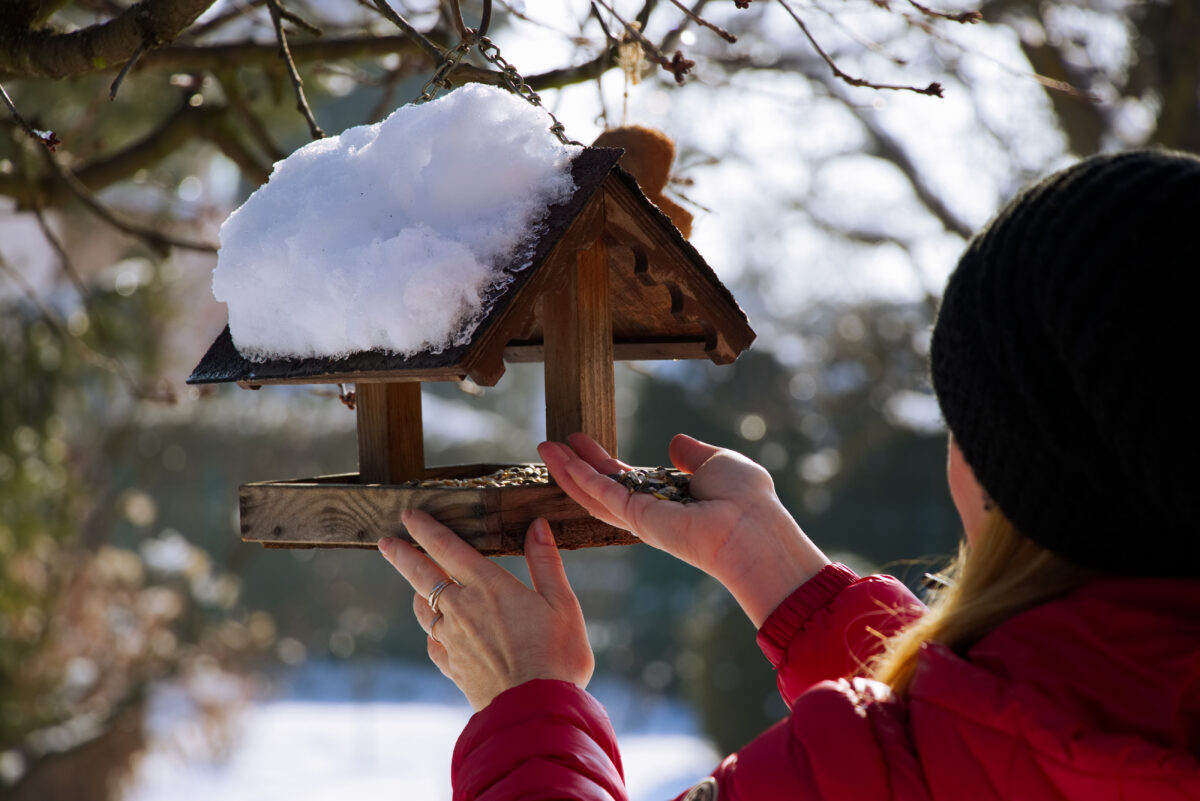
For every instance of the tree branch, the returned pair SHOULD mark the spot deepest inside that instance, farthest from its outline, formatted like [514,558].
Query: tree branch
[256,54]
[170,136]
[889,148]
[47,138]
[933,89]
[297,84]
[434,52]
[155,239]
[42,54]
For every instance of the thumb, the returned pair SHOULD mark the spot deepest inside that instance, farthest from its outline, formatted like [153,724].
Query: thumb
[689,454]
[545,564]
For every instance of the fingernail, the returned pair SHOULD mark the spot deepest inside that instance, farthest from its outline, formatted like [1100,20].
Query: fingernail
[385,545]
[542,533]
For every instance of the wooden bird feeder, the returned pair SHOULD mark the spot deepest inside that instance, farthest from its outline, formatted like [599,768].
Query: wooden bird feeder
[610,278]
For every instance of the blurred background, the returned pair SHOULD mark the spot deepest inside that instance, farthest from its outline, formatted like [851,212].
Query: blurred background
[147,653]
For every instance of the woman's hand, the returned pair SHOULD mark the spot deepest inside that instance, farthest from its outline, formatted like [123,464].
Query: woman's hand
[493,632]
[737,531]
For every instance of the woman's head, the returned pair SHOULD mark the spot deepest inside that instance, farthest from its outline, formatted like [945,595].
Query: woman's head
[1060,359]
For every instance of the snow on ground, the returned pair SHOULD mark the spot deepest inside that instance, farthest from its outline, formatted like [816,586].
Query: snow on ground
[384,732]
[388,235]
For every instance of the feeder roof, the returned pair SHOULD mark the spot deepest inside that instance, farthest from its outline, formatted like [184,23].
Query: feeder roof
[666,302]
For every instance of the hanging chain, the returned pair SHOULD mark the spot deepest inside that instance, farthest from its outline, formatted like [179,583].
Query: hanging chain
[441,78]
[512,80]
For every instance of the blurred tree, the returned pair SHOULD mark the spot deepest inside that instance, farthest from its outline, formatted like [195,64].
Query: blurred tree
[130,129]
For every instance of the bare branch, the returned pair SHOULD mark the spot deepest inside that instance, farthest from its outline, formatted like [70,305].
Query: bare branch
[256,54]
[116,84]
[158,241]
[297,84]
[677,66]
[237,101]
[298,21]
[933,89]
[173,133]
[221,134]
[888,147]
[433,51]
[47,138]
[64,260]
[695,17]
[236,11]
[44,54]
[967,17]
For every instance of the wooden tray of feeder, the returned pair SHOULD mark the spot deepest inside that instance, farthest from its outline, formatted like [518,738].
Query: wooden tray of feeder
[490,506]
[610,278]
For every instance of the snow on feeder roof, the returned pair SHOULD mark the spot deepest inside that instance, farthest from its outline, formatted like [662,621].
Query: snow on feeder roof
[576,268]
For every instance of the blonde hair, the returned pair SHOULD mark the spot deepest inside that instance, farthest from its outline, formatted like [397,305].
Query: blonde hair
[1002,574]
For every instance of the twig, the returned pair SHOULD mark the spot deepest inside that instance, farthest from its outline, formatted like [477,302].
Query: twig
[237,10]
[297,84]
[258,131]
[699,20]
[387,99]
[1052,84]
[517,13]
[137,54]
[677,65]
[433,51]
[299,21]
[47,138]
[967,17]
[64,260]
[869,44]
[160,242]
[96,47]
[934,89]
[595,12]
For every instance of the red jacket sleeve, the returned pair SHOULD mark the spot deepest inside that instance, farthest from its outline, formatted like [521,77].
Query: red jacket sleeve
[832,625]
[844,741]
[538,741]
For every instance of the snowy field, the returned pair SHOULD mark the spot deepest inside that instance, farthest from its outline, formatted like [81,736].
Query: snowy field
[381,732]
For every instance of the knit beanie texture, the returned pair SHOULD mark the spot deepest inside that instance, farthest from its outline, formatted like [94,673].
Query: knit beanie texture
[1065,360]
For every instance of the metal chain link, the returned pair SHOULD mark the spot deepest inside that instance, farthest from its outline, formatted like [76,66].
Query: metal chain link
[513,81]
[441,78]
[509,76]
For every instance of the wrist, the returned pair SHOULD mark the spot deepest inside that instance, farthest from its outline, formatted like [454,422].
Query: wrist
[775,557]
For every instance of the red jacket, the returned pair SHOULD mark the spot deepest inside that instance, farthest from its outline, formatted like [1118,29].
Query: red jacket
[1095,696]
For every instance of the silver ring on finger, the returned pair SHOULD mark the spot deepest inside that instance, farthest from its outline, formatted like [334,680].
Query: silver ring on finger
[437,619]
[436,593]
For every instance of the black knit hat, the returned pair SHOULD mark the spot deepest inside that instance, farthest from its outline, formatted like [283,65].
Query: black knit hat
[1064,356]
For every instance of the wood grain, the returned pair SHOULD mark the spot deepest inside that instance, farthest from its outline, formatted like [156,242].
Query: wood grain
[391,445]
[578,348]
[339,512]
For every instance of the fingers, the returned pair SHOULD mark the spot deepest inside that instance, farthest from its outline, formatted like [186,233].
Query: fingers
[591,452]
[690,454]
[417,568]
[421,611]
[603,498]
[545,565]
[556,457]
[447,549]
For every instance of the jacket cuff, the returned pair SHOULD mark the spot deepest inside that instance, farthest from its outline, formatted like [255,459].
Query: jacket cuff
[789,617]
[542,719]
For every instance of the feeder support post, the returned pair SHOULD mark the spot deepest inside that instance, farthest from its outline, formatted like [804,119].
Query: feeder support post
[577,330]
[391,442]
